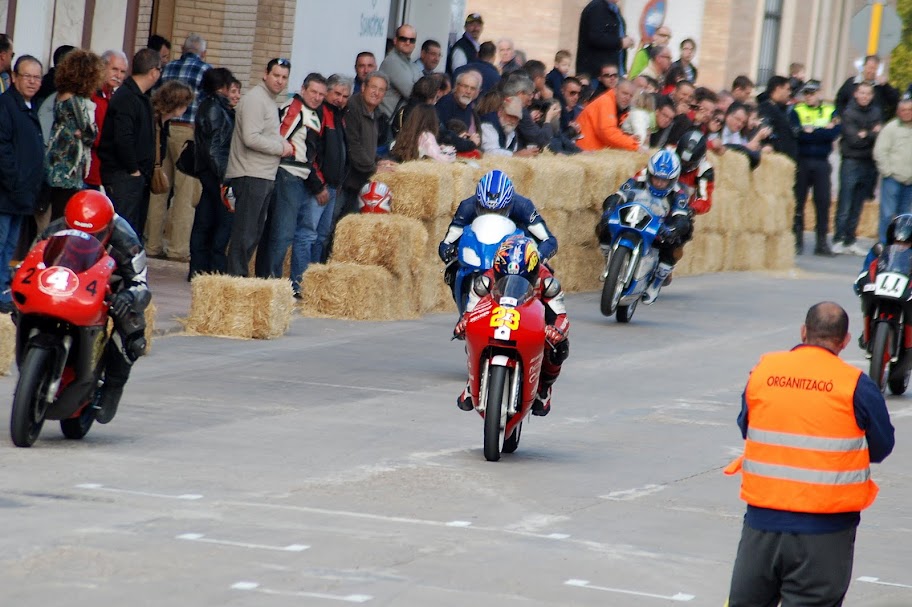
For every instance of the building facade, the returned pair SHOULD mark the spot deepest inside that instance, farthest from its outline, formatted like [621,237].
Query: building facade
[757,38]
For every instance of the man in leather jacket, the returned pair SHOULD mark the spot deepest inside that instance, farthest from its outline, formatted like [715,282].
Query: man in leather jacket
[91,211]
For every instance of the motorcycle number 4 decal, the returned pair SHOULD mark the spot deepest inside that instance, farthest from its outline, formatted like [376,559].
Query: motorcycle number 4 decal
[505,317]
[58,281]
[891,284]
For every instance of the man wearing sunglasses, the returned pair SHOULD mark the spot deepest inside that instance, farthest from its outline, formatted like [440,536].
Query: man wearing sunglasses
[402,73]
[608,78]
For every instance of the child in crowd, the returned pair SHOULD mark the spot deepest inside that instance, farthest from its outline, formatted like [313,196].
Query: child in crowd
[555,78]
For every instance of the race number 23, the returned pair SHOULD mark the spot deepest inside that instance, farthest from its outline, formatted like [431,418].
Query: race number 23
[505,317]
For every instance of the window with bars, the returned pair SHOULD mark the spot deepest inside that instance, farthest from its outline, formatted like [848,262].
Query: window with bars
[769,40]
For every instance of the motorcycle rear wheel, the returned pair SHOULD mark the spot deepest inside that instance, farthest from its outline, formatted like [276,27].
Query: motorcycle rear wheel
[881,351]
[28,414]
[76,428]
[625,313]
[613,287]
[495,410]
[512,443]
[898,383]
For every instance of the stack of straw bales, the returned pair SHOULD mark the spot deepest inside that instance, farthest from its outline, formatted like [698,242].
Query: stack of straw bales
[868,223]
[386,266]
[7,344]
[247,308]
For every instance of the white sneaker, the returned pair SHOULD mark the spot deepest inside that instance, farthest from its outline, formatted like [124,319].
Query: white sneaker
[857,249]
[839,248]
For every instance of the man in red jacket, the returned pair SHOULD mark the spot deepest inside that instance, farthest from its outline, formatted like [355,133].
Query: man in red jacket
[115,71]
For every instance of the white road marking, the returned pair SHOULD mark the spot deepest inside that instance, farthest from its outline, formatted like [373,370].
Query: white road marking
[876,580]
[907,412]
[325,385]
[585,584]
[613,549]
[98,487]
[459,524]
[348,598]
[199,537]
[631,494]
[558,536]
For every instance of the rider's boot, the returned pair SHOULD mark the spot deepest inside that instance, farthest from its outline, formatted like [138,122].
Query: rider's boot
[542,404]
[652,291]
[464,400]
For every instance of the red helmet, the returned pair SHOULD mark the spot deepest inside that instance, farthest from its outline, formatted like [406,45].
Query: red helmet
[375,197]
[91,212]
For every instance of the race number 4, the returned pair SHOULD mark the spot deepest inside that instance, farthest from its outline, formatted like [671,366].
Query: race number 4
[891,284]
[505,317]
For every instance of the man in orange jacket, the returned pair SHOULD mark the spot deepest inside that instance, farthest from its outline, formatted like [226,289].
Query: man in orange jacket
[600,123]
[812,425]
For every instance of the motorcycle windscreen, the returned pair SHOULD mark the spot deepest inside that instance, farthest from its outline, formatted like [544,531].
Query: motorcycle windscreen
[512,290]
[73,249]
[896,258]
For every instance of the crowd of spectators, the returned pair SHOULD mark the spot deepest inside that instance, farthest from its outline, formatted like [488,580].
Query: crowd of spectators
[245,177]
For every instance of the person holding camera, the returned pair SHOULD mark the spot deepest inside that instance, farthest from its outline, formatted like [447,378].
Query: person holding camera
[774,112]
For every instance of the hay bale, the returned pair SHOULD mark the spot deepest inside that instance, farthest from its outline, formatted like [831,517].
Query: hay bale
[7,344]
[421,190]
[352,291]
[390,241]
[578,268]
[599,181]
[869,221]
[247,308]
[465,178]
[556,183]
[780,252]
[150,314]
[732,169]
[749,251]
[519,170]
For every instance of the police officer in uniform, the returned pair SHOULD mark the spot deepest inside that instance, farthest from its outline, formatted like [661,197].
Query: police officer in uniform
[812,425]
[817,130]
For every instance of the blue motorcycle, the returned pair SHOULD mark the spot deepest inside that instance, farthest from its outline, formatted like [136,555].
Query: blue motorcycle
[631,258]
[477,246]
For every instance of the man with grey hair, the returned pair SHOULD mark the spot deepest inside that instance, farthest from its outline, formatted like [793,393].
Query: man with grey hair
[506,54]
[460,105]
[535,130]
[659,63]
[115,71]
[189,69]
[334,163]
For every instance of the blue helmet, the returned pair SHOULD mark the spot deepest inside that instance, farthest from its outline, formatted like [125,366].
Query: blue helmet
[663,165]
[494,194]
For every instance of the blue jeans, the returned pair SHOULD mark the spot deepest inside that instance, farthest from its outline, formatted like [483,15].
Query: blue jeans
[9,236]
[856,181]
[307,235]
[895,199]
[324,228]
[290,195]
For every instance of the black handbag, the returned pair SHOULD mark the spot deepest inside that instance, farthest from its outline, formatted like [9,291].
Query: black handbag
[186,162]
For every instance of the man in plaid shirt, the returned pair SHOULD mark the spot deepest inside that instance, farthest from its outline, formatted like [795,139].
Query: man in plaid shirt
[189,69]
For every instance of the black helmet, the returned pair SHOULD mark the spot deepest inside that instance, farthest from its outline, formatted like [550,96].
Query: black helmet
[691,149]
[900,229]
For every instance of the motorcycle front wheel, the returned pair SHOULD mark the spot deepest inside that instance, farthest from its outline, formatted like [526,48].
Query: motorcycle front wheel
[495,413]
[614,286]
[28,402]
[881,351]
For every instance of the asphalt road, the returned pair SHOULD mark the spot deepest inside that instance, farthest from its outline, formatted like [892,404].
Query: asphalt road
[332,466]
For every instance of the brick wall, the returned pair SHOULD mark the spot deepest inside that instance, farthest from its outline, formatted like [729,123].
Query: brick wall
[274,28]
[143,23]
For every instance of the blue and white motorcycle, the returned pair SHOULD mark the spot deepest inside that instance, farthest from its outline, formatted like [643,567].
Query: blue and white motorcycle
[477,246]
[631,260]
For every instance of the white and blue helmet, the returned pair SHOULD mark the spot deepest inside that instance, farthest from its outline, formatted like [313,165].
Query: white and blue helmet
[666,166]
[494,194]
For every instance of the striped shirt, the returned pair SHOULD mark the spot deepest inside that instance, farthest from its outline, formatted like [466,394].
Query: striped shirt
[189,69]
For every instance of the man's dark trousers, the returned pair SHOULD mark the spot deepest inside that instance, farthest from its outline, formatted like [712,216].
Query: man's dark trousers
[813,173]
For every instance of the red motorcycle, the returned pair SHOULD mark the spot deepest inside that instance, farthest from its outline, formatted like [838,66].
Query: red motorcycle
[61,294]
[505,339]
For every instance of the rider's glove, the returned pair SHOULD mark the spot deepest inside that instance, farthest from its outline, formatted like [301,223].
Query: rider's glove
[460,329]
[447,251]
[554,335]
[668,236]
[122,303]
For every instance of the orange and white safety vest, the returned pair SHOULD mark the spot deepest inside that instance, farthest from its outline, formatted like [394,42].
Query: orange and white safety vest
[804,451]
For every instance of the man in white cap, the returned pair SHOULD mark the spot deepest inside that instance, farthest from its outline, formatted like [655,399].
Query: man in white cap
[498,129]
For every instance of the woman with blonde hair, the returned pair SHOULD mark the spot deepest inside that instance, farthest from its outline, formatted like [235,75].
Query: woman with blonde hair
[418,137]
[69,149]
[170,100]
